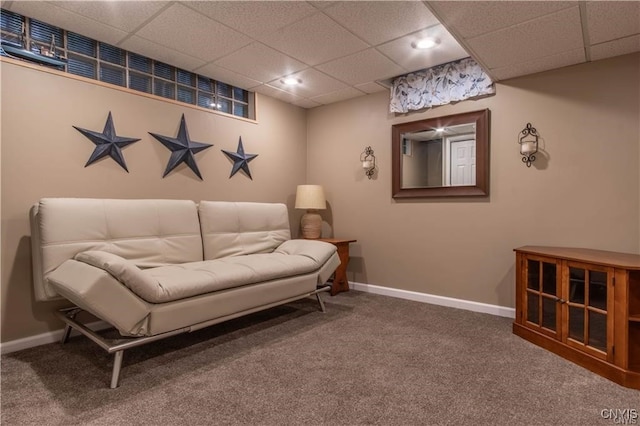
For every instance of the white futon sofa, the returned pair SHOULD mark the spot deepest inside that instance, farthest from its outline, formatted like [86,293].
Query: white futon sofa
[156,268]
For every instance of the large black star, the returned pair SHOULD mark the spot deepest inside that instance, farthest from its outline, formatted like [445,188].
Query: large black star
[107,143]
[240,160]
[182,149]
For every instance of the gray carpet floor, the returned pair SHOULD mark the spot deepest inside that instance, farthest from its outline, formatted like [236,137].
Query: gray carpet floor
[369,360]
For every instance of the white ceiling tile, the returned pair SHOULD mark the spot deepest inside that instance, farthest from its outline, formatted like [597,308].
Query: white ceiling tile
[314,40]
[254,17]
[155,51]
[558,60]
[51,14]
[277,93]
[338,96]
[126,16]
[314,83]
[361,67]
[401,52]
[379,21]
[615,48]
[473,18]
[183,29]
[537,38]
[260,62]
[228,76]
[306,103]
[601,15]
[322,3]
[371,87]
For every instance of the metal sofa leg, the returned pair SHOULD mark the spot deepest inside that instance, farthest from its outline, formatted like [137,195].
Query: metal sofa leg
[321,303]
[117,364]
[66,334]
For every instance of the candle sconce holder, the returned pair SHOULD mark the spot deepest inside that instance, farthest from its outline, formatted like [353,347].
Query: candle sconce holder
[528,142]
[368,162]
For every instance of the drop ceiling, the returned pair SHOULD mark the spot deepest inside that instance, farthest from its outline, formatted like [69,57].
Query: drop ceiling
[340,50]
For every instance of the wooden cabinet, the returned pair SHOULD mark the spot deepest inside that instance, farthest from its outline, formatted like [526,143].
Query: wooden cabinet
[340,282]
[583,305]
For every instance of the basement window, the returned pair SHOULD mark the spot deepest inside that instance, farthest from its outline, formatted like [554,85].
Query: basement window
[85,57]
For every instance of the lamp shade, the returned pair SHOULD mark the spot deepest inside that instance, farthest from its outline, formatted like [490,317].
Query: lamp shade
[310,197]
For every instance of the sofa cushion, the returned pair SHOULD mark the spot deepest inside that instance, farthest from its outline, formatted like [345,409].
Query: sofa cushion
[174,282]
[234,229]
[191,279]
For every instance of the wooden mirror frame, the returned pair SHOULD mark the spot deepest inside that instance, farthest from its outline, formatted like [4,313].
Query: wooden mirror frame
[480,189]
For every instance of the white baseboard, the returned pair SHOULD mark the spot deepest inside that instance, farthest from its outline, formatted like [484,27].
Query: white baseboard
[45,338]
[433,299]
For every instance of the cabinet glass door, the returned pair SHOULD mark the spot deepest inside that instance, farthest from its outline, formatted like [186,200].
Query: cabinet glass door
[542,295]
[589,308]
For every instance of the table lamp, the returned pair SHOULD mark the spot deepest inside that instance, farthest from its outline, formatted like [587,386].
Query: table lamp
[310,197]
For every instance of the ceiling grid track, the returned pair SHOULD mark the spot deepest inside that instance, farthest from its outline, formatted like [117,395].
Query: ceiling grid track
[585,29]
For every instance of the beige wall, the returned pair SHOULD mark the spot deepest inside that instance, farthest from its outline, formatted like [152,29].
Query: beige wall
[582,191]
[585,191]
[43,156]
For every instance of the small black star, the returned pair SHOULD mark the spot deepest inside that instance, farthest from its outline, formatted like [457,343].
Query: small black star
[240,160]
[182,149]
[107,143]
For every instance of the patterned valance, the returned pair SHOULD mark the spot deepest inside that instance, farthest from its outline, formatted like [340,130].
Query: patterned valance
[455,81]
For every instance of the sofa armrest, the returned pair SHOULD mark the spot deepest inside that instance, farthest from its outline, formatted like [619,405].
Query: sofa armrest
[324,254]
[318,251]
[99,293]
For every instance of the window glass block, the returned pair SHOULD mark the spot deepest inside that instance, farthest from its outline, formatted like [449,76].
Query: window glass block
[112,54]
[224,105]
[11,27]
[205,84]
[205,100]
[81,44]
[113,75]
[44,33]
[223,89]
[164,71]
[240,110]
[185,77]
[140,63]
[164,89]
[139,82]
[186,95]
[240,94]
[79,65]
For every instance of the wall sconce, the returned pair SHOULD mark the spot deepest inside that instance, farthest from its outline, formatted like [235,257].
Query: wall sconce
[528,144]
[368,161]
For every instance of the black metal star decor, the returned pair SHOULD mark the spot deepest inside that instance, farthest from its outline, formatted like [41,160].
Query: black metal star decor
[240,160]
[182,149]
[107,143]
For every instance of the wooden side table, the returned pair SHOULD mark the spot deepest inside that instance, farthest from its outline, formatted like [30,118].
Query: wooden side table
[340,282]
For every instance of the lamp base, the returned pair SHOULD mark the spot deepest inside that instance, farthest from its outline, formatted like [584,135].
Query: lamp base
[311,225]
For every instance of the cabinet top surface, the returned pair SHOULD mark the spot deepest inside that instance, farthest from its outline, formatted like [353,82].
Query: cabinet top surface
[336,240]
[602,257]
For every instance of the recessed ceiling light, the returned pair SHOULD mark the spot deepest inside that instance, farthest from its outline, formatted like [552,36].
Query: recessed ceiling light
[440,129]
[425,43]
[291,81]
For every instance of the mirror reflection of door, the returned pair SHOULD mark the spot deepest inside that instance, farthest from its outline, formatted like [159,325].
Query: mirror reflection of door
[439,157]
[461,161]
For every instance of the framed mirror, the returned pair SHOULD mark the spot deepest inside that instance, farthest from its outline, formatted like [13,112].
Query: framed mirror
[442,156]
